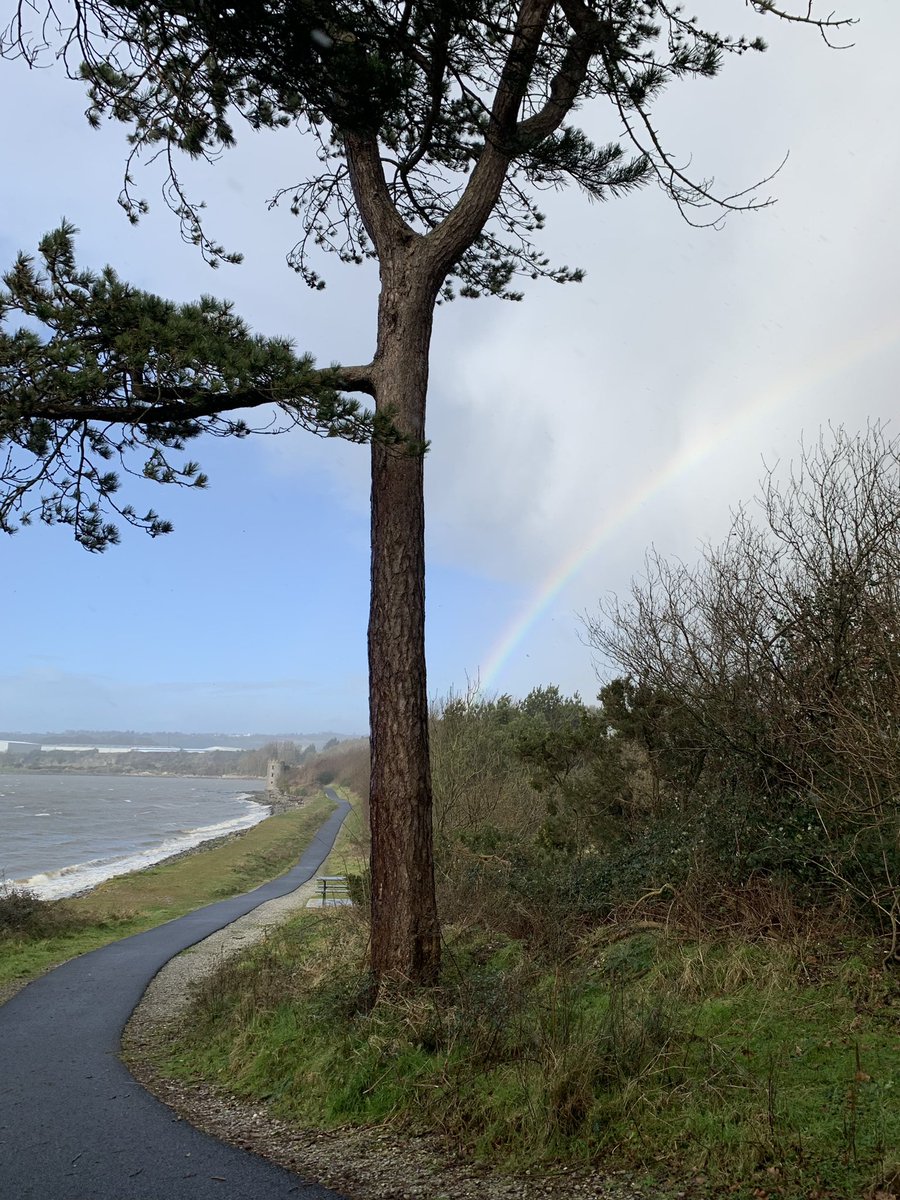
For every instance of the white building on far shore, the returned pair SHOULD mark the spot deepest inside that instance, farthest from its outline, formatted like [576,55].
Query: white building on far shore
[20,748]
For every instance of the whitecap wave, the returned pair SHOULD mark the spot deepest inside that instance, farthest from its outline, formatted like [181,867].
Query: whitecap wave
[80,877]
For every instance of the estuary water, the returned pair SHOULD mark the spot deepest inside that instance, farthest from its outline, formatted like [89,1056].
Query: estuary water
[61,834]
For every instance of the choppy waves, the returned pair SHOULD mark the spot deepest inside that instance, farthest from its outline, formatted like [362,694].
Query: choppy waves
[79,877]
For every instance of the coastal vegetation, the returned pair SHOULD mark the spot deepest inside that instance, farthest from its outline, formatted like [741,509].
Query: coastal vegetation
[670,917]
[742,1063]
[644,1000]
[641,998]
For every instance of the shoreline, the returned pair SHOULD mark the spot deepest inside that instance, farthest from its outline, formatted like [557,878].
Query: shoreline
[139,899]
[221,839]
[23,770]
[261,799]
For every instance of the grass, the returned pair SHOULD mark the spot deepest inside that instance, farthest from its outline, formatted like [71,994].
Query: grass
[132,903]
[350,852]
[753,1070]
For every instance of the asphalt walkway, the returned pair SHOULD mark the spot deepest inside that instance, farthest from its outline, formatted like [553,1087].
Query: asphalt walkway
[74,1124]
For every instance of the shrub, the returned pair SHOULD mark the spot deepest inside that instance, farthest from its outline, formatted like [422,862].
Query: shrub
[23,915]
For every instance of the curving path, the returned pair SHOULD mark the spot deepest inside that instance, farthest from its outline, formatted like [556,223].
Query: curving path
[74,1124]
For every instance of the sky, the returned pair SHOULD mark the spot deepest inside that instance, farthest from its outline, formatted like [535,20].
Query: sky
[569,433]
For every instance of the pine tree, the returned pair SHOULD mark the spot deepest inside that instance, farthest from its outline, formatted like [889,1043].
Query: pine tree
[437,122]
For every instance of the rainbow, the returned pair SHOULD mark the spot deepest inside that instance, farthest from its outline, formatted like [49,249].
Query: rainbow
[677,465]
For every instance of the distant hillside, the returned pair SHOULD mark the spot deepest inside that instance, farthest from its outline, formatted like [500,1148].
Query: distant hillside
[186,741]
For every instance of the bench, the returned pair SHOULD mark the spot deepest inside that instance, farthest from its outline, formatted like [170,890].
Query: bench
[333,890]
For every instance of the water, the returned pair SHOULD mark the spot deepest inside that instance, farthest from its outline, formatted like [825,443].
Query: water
[61,834]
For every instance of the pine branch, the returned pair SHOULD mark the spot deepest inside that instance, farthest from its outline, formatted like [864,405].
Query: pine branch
[102,371]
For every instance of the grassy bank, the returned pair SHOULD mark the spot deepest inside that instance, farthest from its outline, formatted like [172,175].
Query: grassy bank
[350,853]
[765,1069]
[42,935]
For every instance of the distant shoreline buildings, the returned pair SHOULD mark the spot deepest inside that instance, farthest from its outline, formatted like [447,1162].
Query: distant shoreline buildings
[29,748]
[22,749]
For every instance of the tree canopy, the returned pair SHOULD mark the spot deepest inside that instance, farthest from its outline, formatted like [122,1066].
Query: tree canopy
[461,97]
[438,122]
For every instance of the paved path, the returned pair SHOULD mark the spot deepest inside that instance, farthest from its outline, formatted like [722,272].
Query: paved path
[74,1125]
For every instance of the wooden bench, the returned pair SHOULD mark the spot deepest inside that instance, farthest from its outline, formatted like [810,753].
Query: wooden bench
[333,890]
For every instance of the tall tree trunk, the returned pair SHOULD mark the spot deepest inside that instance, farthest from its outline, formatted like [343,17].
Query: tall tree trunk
[405,940]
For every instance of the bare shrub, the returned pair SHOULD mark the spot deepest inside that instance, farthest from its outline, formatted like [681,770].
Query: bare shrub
[346,763]
[477,777]
[771,670]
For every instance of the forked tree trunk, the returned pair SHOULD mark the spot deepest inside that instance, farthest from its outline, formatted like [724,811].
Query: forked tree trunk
[405,940]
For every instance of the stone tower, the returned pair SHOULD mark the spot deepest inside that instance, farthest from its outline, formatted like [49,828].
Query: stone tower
[275,773]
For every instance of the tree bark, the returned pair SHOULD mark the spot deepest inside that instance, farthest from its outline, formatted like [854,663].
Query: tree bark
[405,938]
